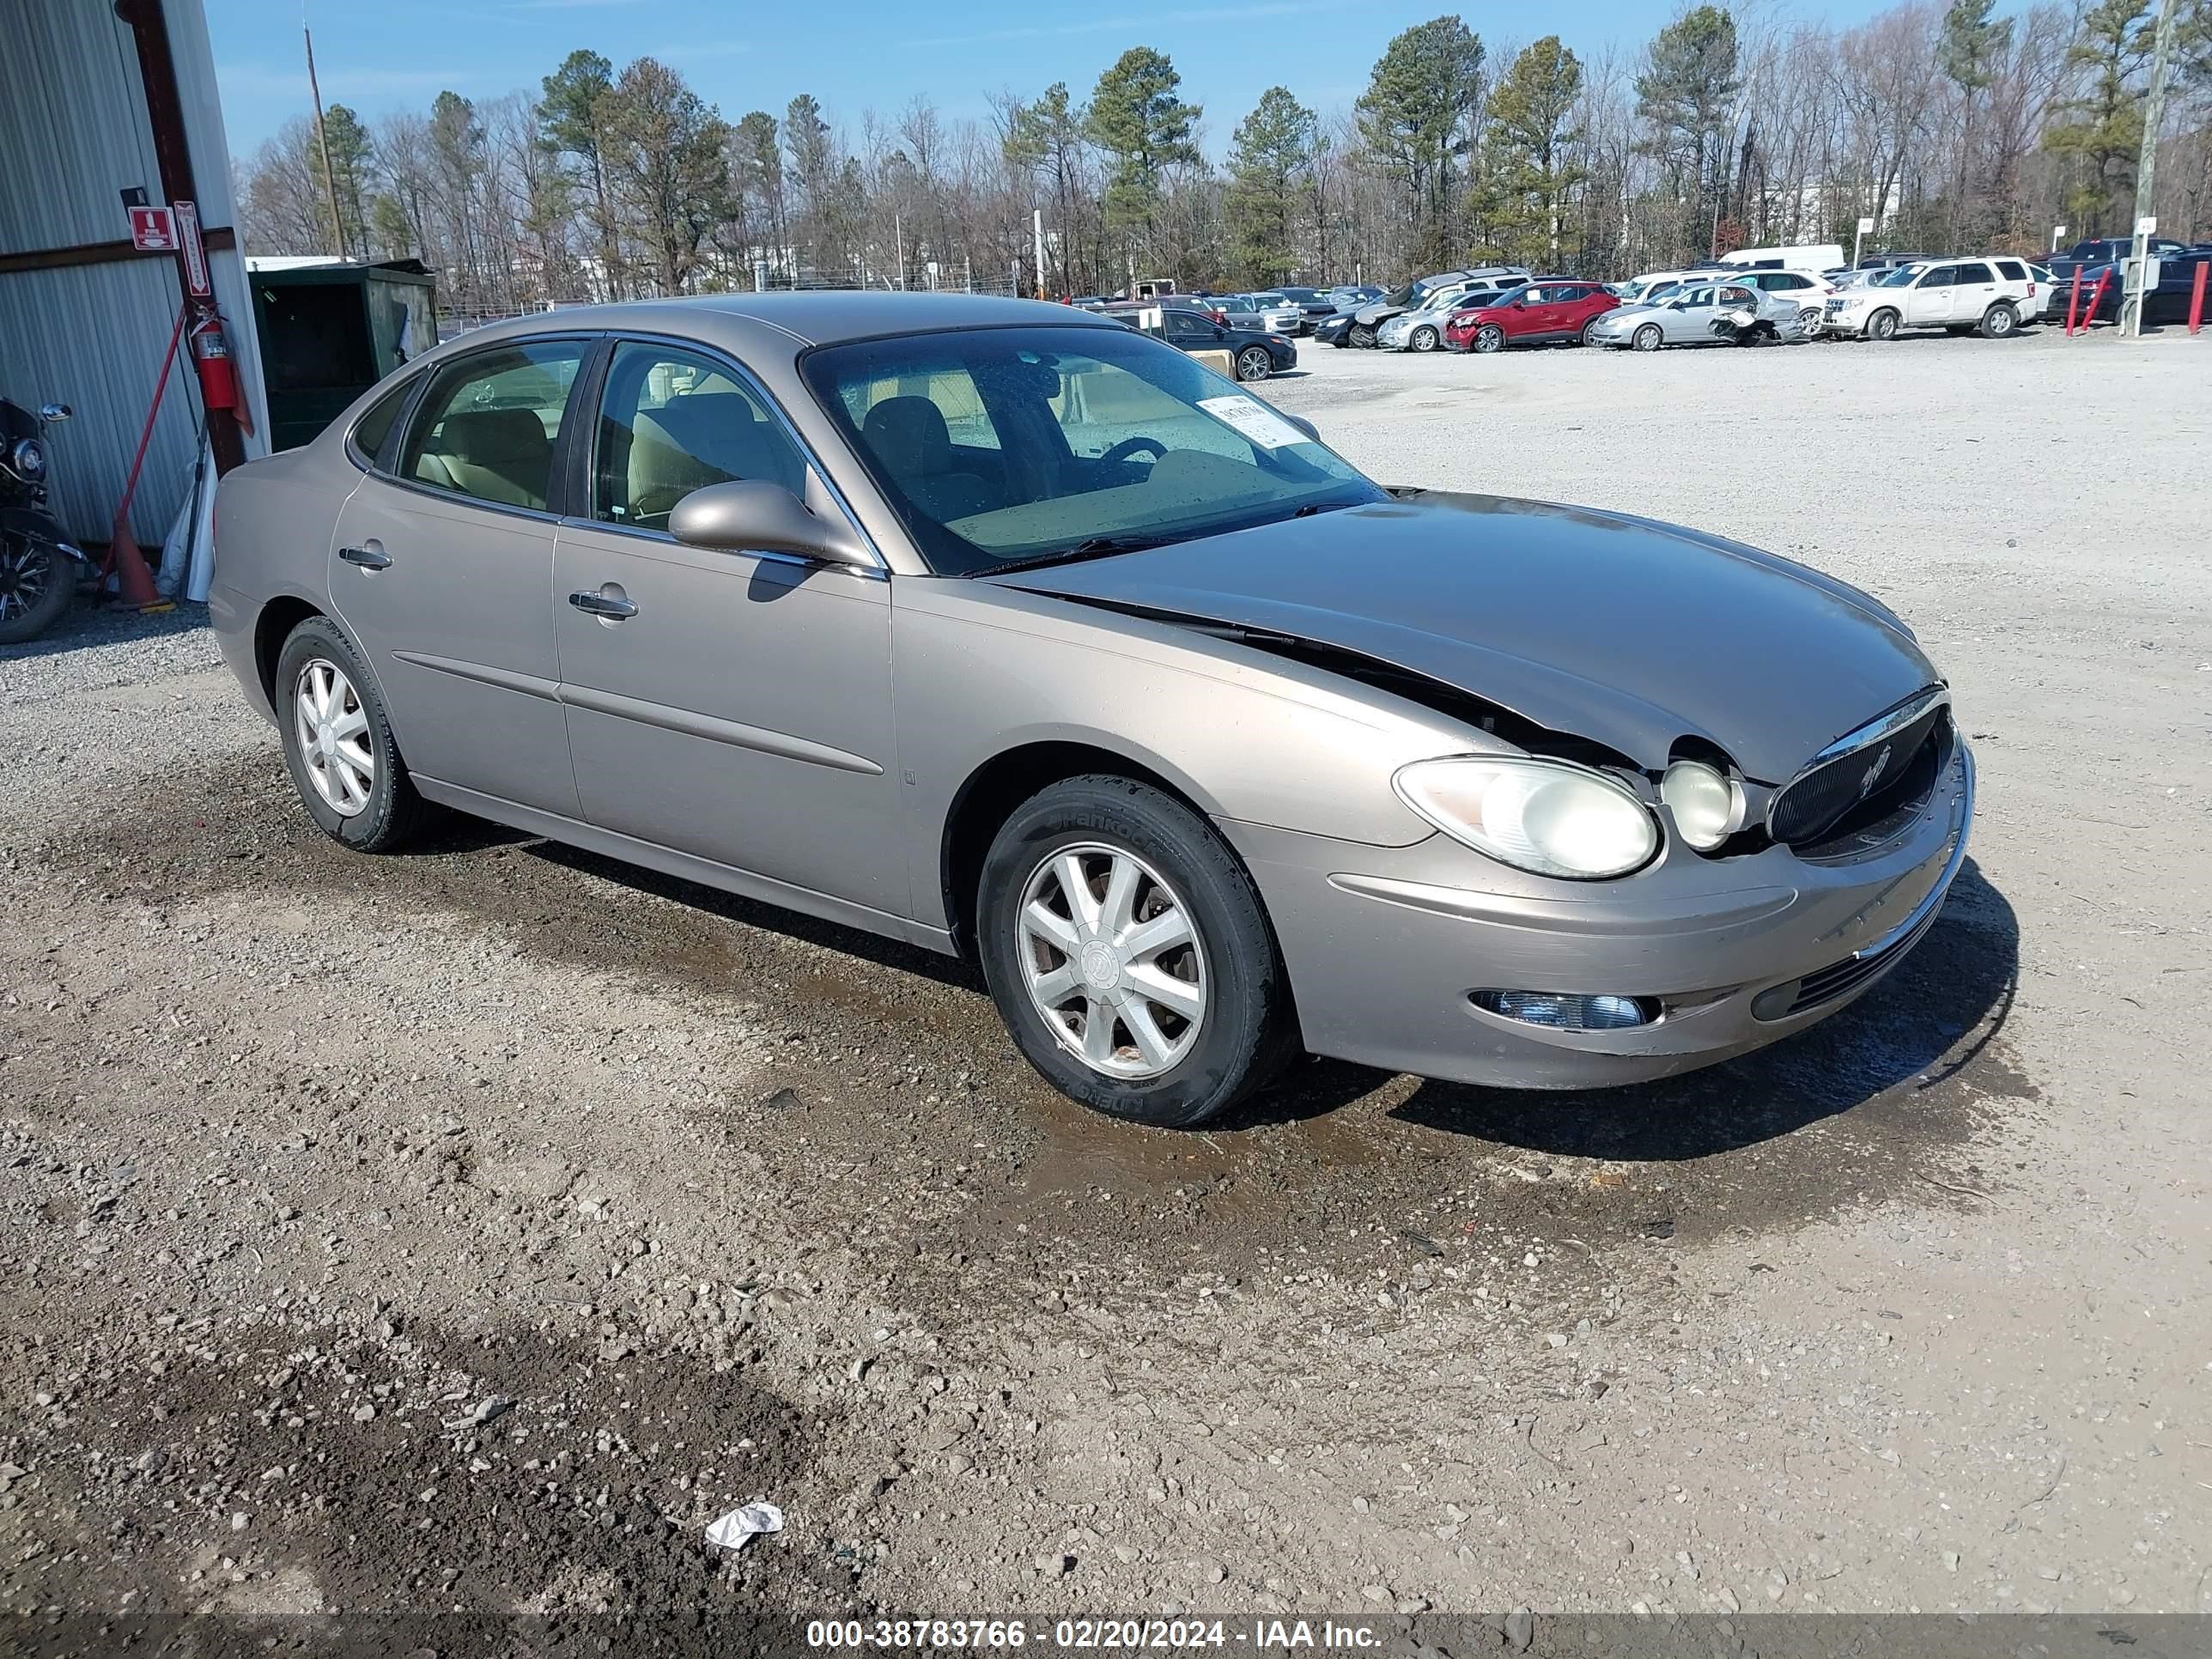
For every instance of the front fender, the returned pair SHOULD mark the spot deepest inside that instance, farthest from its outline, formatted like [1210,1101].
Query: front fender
[35,524]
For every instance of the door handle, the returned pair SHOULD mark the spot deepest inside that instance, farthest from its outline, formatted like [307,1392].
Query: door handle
[602,604]
[371,557]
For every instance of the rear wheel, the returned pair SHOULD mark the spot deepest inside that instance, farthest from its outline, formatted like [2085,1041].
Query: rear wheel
[1590,332]
[1647,338]
[1998,321]
[338,744]
[1127,953]
[1253,363]
[36,585]
[1424,339]
[1489,337]
[1882,325]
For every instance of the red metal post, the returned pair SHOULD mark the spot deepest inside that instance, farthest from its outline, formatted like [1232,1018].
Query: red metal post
[2073,301]
[2197,296]
[2104,281]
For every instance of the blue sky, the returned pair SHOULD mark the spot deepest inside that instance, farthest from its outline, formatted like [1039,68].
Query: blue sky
[399,54]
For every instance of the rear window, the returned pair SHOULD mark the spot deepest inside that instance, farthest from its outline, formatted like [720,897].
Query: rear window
[370,431]
[2012,270]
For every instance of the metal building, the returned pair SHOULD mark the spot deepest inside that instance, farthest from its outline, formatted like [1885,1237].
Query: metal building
[99,98]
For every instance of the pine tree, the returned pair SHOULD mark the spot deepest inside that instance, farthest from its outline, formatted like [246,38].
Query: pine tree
[1418,98]
[1137,119]
[1529,144]
[1270,151]
[2102,131]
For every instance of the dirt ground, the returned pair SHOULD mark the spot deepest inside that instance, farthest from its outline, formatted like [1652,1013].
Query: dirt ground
[466,1230]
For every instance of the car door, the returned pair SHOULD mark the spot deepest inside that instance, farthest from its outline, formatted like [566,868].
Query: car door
[1532,314]
[1974,291]
[733,705]
[440,570]
[1928,302]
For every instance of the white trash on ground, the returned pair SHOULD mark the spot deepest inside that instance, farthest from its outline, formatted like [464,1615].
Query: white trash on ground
[741,1524]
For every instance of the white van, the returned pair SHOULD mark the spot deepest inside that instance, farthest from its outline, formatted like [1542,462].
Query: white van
[1811,257]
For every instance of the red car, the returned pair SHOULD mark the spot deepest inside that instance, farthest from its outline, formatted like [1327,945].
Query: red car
[1551,308]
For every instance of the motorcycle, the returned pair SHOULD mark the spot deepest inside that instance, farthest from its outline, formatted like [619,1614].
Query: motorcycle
[39,566]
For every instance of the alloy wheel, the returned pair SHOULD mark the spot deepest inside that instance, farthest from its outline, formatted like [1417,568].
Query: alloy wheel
[26,569]
[333,727]
[1489,337]
[1424,339]
[1112,961]
[1254,364]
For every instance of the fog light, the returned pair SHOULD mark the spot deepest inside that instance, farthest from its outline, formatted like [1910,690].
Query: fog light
[1565,1011]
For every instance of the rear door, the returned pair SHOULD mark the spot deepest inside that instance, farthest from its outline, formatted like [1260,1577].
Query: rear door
[734,706]
[441,570]
[1537,314]
[1974,291]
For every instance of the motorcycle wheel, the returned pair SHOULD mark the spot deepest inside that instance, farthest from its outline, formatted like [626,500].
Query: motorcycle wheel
[36,585]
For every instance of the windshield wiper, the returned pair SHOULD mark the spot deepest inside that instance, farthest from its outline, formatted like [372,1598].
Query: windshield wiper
[1098,547]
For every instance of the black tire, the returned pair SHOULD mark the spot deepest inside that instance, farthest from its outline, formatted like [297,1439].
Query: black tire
[1255,363]
[393,812]
[1999,321]
[1425,338]
[1246,1030]
[1361,335]
[1590,332]
[1648,337]
[36,585]
[1488,339]
[1882,325]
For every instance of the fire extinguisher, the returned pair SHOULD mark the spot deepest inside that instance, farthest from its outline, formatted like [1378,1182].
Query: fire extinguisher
[218,378]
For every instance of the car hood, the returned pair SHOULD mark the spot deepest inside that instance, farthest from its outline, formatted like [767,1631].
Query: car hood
[1616,630]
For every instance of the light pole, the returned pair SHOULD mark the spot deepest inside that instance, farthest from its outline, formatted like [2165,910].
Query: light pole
[2133,292]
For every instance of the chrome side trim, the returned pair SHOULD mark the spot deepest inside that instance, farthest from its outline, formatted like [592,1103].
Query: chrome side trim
[1880,728]
[716,729]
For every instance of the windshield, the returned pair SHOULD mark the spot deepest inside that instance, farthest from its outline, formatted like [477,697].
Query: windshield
[1901,278]
[1013,444]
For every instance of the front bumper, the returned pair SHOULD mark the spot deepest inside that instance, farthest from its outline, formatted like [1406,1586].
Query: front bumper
[1846,323]
[1385,946]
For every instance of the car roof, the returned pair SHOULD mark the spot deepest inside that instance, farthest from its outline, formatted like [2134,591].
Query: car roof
[810,318]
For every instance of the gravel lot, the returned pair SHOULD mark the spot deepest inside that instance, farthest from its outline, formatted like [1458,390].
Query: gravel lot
[467,1230]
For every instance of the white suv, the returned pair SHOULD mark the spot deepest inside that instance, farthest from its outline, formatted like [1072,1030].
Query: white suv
[1995,296]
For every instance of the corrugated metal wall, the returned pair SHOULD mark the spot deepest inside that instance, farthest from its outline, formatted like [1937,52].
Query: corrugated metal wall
[73,128]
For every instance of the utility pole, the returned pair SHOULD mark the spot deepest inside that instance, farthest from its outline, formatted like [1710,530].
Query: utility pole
[1037,230]
[2133,294]
[322,138]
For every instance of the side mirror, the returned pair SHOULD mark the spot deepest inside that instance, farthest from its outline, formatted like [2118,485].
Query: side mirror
[751,515]
[51,412]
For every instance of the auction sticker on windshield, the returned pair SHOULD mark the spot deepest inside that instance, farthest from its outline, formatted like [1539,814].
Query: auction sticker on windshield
[1254,420]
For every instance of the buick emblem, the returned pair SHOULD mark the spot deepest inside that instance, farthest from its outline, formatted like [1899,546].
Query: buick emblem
[1874,772]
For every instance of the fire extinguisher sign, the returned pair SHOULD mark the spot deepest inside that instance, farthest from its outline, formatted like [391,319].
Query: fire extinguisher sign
[193,250]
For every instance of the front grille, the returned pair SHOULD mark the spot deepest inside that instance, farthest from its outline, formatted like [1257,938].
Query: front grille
[1862,772]
[1835,306]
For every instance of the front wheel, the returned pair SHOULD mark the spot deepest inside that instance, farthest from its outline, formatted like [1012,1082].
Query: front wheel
[1253,363]
[1648,337]
[36,585]
[1489,337]
[1999,321]
[1424,339]
[1129,955]
[1361,335]
[338,742]
[1882,325]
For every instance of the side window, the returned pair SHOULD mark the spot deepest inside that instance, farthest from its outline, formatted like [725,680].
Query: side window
[2012,270]
[671,421]
[1969,275]
[1735,296]
[370,431]
[490,422]
[1941,277]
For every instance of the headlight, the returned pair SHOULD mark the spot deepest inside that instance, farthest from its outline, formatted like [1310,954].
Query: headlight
[1708,805]
[1551,817]
[29,459]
